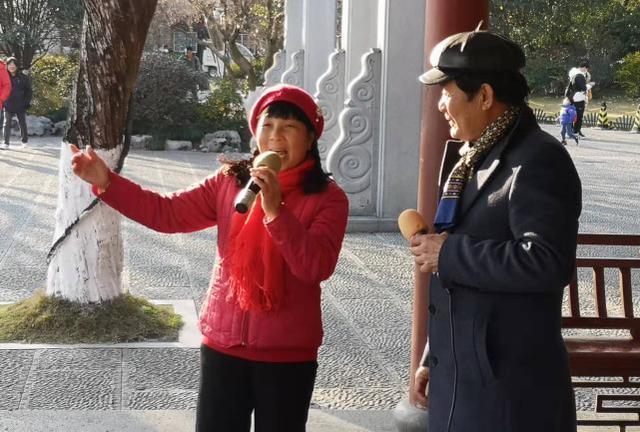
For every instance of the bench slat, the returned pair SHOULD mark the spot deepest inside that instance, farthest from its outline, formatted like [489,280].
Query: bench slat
[601,323]
[574,299]
[625,292]
[608,262]
[598,293]
[609,239]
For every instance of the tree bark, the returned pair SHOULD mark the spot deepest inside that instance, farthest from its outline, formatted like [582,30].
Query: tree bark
[86,261]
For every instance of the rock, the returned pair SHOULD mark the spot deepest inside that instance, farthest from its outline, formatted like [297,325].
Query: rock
[178,145]
[39,125]
[35,126]
[231,137]
[213,143]
[141,142]
[59,127]
[229,149]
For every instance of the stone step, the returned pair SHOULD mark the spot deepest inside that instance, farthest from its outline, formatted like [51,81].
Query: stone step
[174,421]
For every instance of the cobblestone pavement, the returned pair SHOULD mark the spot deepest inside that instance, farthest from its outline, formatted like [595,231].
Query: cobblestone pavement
[364,361]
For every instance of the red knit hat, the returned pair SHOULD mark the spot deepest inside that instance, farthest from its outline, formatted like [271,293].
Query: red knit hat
[291,94]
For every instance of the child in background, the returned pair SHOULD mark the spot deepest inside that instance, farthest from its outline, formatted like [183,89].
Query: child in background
[567,117]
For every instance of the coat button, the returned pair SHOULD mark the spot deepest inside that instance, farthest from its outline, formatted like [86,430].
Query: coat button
[432,309]
[433,361]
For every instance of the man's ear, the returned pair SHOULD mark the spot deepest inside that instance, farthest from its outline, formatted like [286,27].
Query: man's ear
[487,96]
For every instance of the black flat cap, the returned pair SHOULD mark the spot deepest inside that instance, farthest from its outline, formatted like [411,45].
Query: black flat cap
[474,51]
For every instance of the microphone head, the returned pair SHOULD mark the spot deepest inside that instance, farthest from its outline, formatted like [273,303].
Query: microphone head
[411,222]
[269,159]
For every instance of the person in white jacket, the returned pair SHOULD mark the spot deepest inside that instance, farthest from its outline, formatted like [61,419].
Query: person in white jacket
[577,91]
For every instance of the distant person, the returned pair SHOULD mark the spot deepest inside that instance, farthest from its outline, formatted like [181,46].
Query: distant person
[192,59]
[5,88]
[567,118]
[18,102]
[577,90]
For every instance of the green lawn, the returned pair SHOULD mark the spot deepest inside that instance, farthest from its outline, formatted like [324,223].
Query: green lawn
[616,106]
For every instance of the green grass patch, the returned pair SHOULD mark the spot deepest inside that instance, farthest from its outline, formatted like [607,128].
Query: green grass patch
[43,319]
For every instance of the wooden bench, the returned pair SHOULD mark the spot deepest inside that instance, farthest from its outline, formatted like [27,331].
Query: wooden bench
[609,355]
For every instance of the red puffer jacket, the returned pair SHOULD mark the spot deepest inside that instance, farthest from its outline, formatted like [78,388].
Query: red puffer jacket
[308,233]
[5,84]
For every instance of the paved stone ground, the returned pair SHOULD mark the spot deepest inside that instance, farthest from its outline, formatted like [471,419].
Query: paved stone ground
[364,361]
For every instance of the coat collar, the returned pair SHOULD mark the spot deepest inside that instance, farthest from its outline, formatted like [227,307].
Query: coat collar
[525,122]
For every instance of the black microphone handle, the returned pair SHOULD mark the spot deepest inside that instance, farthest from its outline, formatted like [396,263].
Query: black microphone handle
[246,197]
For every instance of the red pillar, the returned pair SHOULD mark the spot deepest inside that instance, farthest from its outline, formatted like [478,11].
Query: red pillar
[443,18]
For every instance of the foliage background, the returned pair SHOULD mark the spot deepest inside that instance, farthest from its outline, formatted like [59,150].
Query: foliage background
[52,78]
[557,34]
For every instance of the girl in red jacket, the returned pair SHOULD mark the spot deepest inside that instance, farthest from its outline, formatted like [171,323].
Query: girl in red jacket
[261,319]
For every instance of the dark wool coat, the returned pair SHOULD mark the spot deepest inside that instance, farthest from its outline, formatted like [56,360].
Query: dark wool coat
[501,277]
[20,97]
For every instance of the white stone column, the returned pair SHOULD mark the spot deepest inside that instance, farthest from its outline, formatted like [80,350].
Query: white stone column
[359,29]
[401,38]
[319,33]
[293,26]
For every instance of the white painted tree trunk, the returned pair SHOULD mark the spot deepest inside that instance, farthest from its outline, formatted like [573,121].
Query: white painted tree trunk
[87,266]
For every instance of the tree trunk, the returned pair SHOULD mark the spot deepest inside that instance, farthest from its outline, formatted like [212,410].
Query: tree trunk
[245,65]
[86,261]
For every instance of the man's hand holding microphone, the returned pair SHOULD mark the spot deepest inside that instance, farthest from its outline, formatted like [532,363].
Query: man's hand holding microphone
[425,248]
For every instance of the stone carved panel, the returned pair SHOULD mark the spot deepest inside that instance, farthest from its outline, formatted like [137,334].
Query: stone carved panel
[274,74]
[353,159]
[330,97]
[294,75]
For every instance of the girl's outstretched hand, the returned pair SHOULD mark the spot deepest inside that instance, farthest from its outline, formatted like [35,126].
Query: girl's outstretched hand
[90,167]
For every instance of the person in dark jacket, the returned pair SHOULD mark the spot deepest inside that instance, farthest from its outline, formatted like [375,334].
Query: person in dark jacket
[577,91]
[504,249]
[18,103]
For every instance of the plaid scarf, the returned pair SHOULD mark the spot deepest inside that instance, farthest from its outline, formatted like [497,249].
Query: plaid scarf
[470,154]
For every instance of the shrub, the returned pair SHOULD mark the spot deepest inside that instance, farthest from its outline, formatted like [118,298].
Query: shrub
[165,98]
[628,74]
[223,109]
[52,77]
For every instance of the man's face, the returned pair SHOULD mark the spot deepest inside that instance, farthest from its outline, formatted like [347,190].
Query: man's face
[12,67]
[466,117]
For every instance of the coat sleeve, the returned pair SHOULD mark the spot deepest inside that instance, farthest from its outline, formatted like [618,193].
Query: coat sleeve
[580,83]
[28,93]
[187,210]
[312,253]
[5,86]
[544,207]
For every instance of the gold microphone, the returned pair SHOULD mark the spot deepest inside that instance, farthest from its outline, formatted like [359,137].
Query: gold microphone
[411,223]
[248,194]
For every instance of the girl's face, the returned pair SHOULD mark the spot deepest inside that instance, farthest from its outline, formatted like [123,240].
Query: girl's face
[12,67]
[290,138]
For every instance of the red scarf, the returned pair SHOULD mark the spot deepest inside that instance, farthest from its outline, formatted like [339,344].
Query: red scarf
[256,267]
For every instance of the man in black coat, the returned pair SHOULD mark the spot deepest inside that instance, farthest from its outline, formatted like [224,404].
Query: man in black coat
[18,103]
[503,251]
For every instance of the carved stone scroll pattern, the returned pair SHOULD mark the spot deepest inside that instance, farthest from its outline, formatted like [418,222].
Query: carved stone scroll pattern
[353,159]
[330,97]
[295,74]
[275,72]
